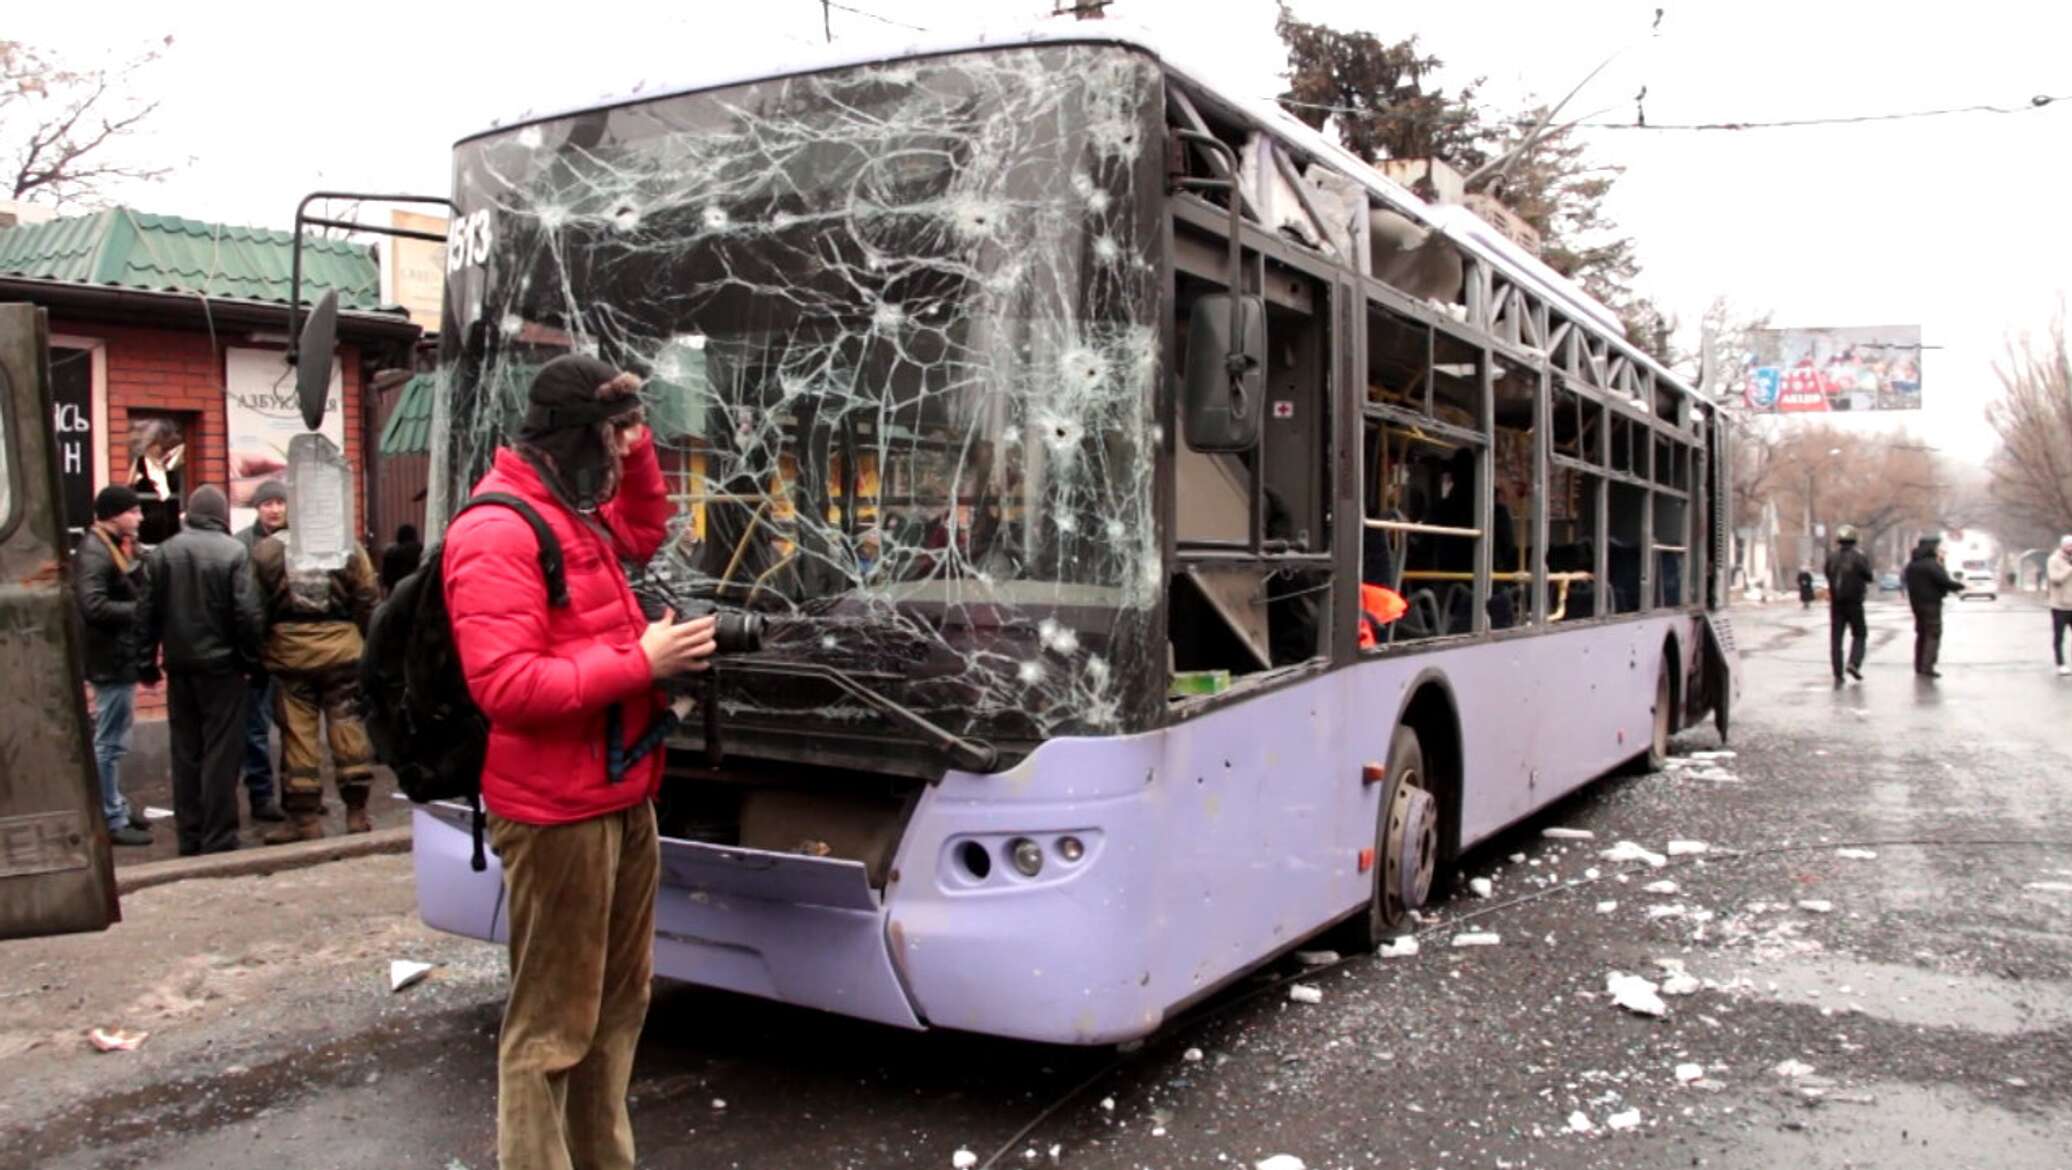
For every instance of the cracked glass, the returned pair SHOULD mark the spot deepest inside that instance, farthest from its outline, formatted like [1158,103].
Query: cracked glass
[899,325]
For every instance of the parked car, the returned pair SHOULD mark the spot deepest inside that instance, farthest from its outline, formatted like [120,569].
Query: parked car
[1979,583]
[1889,582]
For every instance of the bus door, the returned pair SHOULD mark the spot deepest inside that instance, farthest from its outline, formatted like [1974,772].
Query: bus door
[57,873]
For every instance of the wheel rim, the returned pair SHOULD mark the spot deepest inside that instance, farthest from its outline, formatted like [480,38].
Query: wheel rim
[1410,848]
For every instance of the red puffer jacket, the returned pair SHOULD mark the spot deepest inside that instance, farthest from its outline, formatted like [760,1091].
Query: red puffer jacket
[547,677]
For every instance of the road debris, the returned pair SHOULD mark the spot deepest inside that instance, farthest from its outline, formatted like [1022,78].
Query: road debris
[1191,1056]
[1607,907]
[963,1159]
[1280,1162]
[1634,851]
[406,972]
[1665,886]
[116,1039]
[1635,994]
[1482,887]
[1816,905]
[1561,833]
[2050,887]
[1477,938]
[1397,948]
[719,1102]
[1681,983]
[1793,1069]
[1687,848]
[1304,993]
[1317,958]
[1630,1119]
[1858,854]
[1579,1122]
[1686,1073]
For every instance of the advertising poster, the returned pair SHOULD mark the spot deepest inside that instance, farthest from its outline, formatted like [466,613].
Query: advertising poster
[262,416]
[1858,367]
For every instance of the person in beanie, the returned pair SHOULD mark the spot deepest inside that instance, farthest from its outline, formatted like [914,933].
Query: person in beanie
[580,856]
[1849,579]
[2057,572]
[1927,583]
[204,611]
[270,501]
[109,584]
[315,621]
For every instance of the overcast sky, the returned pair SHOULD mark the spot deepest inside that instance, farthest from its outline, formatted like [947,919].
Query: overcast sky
[1956,223]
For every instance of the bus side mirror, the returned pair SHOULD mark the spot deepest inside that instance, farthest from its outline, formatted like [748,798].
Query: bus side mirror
[1224,391]
[313,359]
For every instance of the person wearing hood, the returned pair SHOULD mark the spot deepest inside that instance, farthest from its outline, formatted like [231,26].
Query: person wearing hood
[1849,579]
[2058,585]
[1927,583]
[270,501]
[204,611]
[566,687]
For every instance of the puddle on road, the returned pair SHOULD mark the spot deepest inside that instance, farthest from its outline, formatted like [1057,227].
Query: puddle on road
[1907,1128]
[1909,995]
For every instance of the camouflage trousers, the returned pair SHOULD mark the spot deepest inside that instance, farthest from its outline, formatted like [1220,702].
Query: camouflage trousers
[302,704]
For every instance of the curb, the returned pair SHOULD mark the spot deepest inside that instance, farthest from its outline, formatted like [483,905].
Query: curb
[271,859]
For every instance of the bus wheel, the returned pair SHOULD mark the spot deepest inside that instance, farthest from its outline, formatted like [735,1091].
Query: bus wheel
[1656,756]
[1406,847]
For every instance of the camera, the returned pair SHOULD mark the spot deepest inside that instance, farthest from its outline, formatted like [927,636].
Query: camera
[659,591]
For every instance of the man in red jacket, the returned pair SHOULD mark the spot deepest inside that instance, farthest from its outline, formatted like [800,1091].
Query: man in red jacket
[578,843]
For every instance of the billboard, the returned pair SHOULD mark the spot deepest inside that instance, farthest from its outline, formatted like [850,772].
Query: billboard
[1857,367]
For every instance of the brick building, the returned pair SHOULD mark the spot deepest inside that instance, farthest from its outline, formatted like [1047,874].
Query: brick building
[167,325]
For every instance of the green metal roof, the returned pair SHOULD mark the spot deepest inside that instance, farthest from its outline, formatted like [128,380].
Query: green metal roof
[409,427]
[165,253]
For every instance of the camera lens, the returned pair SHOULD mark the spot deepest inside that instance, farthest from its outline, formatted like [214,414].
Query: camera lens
[738,633]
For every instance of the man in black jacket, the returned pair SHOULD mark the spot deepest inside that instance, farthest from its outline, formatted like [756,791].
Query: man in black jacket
[1849,577]
[205,611]
[109,587]
[1927,583]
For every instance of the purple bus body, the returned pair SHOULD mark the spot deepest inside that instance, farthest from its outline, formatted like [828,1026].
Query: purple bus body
[1209,846]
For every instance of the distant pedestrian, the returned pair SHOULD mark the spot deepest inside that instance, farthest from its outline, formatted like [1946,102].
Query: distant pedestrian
[110,586]
[1849,578]
[1927,583]
[204,610]
[400,559]
[567,689]
[1805,587]
[2059,571]
[314,625]
[270,501]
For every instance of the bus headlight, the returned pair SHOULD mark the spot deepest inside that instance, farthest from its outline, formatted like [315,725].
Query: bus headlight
[1071,849]
[1026,855]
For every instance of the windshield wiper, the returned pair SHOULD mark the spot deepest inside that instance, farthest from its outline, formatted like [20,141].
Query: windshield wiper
[973,755]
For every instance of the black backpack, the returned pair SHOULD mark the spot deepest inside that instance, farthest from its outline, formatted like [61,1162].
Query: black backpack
[419,715]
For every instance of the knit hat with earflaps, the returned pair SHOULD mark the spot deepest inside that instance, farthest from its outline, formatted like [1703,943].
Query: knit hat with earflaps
[572,404]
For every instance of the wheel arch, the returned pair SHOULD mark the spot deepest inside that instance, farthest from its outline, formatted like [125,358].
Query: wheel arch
[1429,709]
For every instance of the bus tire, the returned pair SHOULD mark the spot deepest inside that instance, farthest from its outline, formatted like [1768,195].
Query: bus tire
[1406,846]
[1661,723]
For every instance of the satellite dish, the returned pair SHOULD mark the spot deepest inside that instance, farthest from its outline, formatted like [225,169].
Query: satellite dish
[313,359]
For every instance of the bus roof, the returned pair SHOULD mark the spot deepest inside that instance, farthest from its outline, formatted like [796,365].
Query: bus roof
[1466,229]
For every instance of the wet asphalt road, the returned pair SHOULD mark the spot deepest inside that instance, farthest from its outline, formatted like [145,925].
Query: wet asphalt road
[1926,991]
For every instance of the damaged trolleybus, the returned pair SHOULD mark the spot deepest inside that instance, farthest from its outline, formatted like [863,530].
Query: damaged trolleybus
[1049,408]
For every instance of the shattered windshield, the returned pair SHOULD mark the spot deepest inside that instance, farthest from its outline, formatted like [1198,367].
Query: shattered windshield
[898,325]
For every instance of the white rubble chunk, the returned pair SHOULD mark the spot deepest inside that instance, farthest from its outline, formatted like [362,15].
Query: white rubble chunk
[1687,848]
[405,972]
[1681,984]
[1673,910]
[1607,907]
[1280,1162]
[1316,958]
[1561,833]
[1635,994]
[1686,1073]
[1398,948]
[1108,1104]
[1482,887]
[1857,854]
[1793,1069]
[1579,1122]
[1630,1119]
[2050,887]
[1665,886]
[1304,993]
[963,1159]
[1816,905]
[1516,858]
[1477,938]
[1633,851]
[1715,754]
[1191,1056]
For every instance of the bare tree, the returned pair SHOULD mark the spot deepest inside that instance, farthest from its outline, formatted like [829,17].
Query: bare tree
[61,129]
[2030,475]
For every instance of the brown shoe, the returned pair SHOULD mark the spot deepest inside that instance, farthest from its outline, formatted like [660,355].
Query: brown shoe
[300,827]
